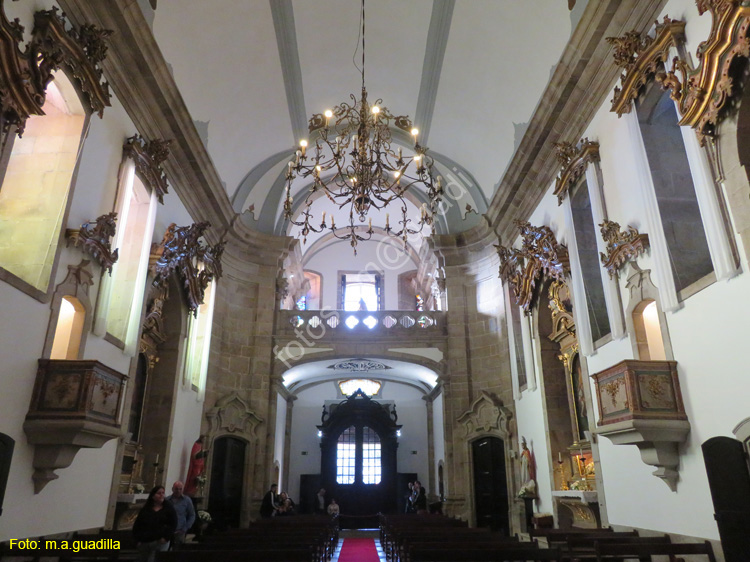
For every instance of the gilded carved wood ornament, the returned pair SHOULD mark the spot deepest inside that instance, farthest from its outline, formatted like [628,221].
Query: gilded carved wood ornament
[540,253]
[148,157]
[621,246]
[573,160]
[701,93]
[25,72]
[641,57]
[197,265]
[94,238]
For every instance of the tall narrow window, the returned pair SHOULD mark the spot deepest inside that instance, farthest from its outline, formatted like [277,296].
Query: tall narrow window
[121,296]
[371,464]
[515,318]
[346,455]
[196,364]
[70,323]
[35,190]
[588,255]
[675,192]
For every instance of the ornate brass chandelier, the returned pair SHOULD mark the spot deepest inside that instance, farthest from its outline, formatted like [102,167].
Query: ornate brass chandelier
[353,165]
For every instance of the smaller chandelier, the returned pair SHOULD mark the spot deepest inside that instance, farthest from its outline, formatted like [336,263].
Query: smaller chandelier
[353,165]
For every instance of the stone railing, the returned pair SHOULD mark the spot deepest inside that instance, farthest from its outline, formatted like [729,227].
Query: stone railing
[331,323]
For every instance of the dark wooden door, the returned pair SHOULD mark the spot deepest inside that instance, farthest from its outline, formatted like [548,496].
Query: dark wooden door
[309,485]
[729,480]
[490,485]
[227,471]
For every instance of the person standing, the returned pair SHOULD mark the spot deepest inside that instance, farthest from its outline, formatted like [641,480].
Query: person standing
[155,525]
[270,502]
[320,501]
[185,511]
[420,498]
[409,507]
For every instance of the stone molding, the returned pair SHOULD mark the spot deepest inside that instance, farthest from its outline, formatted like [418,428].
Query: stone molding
[232,415]
[486,415]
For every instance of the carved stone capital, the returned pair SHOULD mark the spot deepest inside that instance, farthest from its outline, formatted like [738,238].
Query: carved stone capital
[642,57]
[540,253]
[621,246]
[94,238]
[183,252]
[573,161]
[148,156]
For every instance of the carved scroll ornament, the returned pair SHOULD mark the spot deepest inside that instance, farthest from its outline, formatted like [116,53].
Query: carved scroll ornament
[94,239]
[148,156]
[621,246]
[25,73]
[540,253]
[573,161]
[703,92]
[82,50]
[642,57]
[196,264]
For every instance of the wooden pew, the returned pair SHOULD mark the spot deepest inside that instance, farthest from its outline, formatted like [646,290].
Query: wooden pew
[276,555]
[608,552]
[515,552]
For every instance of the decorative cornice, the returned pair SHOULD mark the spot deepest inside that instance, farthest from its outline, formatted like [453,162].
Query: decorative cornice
[95,240]
[486,415]
[540,253]
[184,253]
[621,246]
[21,89]
[573,160]
[702,93]
[82,50]
[359,366]
[148,157]
[642,57]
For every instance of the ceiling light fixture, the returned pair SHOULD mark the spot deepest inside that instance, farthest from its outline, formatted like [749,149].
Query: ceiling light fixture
[354,166]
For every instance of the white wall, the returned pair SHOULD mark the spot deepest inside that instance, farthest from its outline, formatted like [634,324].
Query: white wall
[372,256]
[707,335]
[84,487]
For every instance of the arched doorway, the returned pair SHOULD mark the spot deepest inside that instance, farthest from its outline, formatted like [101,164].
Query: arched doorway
[228,461]
[358,456]
[490,484]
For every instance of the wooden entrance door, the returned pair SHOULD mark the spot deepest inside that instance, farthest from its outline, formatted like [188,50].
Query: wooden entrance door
[227,472]
[490,485]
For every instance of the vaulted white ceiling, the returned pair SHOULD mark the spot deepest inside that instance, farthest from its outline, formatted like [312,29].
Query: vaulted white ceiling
[468,72]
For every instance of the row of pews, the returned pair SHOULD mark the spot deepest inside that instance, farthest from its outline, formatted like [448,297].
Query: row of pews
[302,538]
[406,538]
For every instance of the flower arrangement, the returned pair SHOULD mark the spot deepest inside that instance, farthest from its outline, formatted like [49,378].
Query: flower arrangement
[204,516]
[139,489]
[200,480]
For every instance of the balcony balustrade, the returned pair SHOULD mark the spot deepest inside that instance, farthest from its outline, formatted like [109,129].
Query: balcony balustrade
[323,324]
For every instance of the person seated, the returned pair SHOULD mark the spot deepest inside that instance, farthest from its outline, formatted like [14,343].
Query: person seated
[285,509]
[333,508]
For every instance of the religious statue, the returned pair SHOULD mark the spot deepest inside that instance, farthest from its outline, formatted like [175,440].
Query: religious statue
[197,466]
[528,472]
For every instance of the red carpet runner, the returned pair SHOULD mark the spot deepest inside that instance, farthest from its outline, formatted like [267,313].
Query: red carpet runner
[358,550]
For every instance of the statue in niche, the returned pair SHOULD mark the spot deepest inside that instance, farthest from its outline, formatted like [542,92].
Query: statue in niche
[528,472]
[194,481]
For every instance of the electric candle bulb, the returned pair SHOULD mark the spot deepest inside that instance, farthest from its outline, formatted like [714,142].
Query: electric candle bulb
[414,132]
[324,217]
[303,146]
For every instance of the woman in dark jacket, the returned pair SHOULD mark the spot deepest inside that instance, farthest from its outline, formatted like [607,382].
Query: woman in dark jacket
[155,525]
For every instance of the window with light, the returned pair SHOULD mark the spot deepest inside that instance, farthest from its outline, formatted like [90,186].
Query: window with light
[371,465]
[346,456]
[361,291]
[368,386]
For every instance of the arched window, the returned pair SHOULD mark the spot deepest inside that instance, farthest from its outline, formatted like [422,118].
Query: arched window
[358,456]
